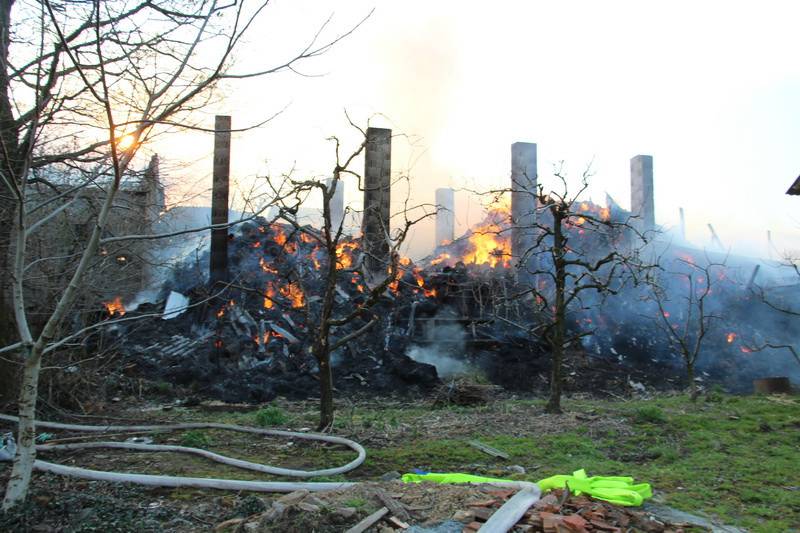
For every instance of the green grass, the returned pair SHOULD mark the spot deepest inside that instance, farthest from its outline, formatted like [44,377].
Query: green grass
[732,458]
[271,416]
[650,414]
[196,439]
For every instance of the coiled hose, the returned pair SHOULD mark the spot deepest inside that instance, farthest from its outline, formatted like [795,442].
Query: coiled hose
[179,481]
[501,522]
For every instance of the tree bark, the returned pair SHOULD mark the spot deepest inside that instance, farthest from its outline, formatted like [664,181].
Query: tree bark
[9,134]
[693,392]
[322,346]
[326,393]
[17,489]
[559,322]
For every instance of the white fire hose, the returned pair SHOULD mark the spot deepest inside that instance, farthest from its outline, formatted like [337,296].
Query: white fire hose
[502,520]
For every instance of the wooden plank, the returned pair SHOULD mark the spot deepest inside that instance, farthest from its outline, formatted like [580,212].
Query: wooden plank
[393,505]
[398,523]
[488,449]
[369,521]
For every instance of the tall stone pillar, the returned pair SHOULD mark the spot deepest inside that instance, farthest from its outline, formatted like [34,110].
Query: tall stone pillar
[445,216]
[642,203]
[219,198]
[155,202]
[377,196]
[524,175]
[336,205]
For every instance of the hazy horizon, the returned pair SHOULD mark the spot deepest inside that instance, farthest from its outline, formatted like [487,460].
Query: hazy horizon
[711,91]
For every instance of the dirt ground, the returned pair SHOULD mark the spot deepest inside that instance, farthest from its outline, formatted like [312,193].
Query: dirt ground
[387,428]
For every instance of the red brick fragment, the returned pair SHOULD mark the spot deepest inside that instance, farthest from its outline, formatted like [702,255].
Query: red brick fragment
[604,526]
[501,494]
[550,522]
[575,523]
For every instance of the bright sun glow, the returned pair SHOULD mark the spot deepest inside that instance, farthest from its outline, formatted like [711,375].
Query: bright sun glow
[125,142]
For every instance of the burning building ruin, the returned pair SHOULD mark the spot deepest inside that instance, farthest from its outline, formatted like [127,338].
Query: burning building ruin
[459,308]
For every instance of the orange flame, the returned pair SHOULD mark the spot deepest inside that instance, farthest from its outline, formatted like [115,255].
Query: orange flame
[344,254]
[280,235]
[265,267]
[294,293]
[444,256]
[429,293]
[313,257]
[269,295]
[730,337]
[489,247]
[263,340]
[115,307]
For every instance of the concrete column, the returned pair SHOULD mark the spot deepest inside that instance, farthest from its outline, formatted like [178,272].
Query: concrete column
[642,203]
[523,199]
[445,216]
[155,202]
[377,196]
[219,198]
[336,204]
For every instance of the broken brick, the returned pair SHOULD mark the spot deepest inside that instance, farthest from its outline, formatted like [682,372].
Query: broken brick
[575,522]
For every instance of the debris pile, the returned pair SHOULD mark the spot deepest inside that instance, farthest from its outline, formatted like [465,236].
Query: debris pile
[561,512]
[252,341]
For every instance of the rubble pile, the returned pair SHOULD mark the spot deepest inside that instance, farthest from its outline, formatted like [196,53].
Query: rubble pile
[562,512]
[251,341]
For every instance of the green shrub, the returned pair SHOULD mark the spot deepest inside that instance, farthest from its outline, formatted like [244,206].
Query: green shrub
[271,416]
[650,414]
[195,439]
[355,502]
[716,394]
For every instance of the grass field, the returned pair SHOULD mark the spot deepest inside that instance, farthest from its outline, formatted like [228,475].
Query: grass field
[732,458]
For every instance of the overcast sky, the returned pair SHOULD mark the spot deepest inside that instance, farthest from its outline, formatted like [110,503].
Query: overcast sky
[710,89]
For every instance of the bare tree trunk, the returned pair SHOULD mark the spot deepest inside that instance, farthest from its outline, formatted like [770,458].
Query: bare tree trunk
[8,136]
[20,479]
[322,346]
[326,392]
[693,392]
[9,370]
[559,324]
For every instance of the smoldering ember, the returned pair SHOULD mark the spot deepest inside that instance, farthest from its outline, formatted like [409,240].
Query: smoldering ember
[324,352]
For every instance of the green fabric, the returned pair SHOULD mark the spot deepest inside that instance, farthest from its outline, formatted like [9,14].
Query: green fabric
[449,478]
[613,489]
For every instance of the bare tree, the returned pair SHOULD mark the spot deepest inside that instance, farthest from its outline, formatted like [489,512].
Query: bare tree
[785,306]
[335,268]
[683,296]
[579,257]
[84,84]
